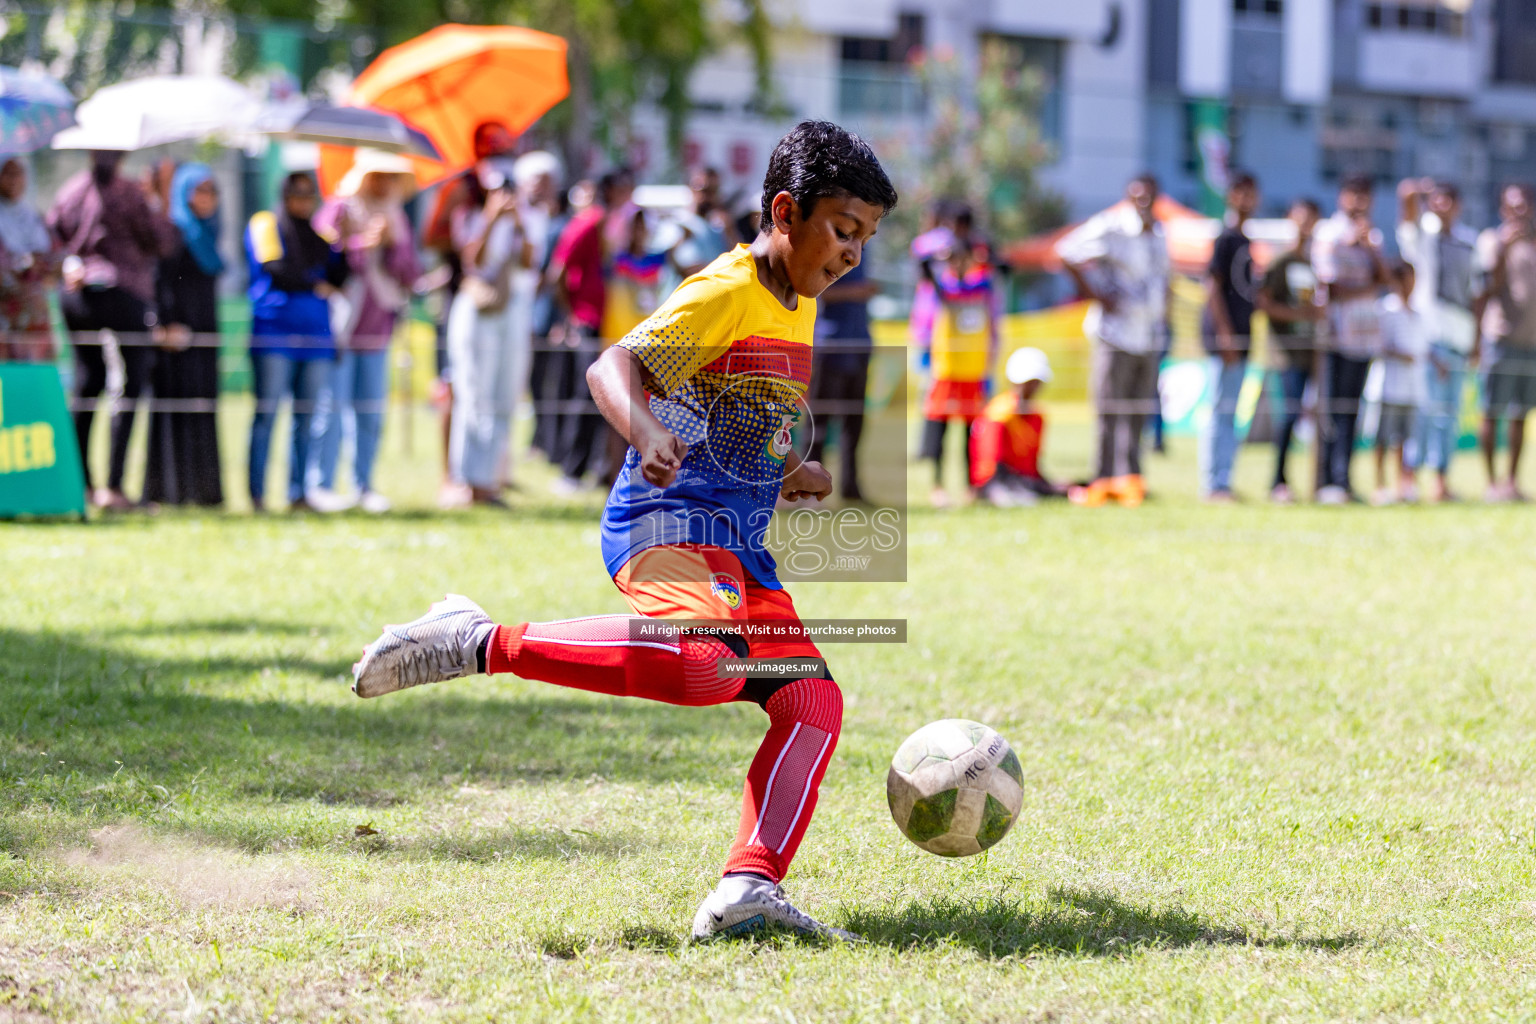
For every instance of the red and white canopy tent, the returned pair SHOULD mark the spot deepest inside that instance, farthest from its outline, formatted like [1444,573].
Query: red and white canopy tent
[1190,238]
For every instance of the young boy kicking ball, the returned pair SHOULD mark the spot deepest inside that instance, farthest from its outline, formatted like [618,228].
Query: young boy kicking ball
[705,392]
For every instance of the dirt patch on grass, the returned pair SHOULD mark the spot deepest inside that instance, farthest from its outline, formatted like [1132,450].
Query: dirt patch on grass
[196,876]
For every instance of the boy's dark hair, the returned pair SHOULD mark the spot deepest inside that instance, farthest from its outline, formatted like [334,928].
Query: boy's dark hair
[1308,204]
[817,160]
[1242,179]
[1148,179]
[1400,269]
[1360,184]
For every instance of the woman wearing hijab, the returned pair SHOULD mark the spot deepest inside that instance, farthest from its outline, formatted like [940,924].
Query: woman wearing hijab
[294,272]
[183,465]
[367,222]
[27,266]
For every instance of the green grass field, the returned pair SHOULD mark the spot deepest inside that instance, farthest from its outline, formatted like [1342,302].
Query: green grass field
[1277,767]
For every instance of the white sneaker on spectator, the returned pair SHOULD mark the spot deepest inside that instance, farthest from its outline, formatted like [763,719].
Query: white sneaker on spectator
[374,503]
[1409,494]
[323,499]
[1383,496]
[1280,494]
[1333,494]
[1497,494]
[996,494]
[1023,497]
[453,495]
[565,486]
[1000,494]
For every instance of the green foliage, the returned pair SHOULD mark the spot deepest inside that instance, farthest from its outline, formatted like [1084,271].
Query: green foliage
[627,51]
[984,144]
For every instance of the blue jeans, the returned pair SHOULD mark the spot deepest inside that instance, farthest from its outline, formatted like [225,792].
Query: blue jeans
[1293,385]
[359,385]
[1219,447]
[277,377]
[1438,424]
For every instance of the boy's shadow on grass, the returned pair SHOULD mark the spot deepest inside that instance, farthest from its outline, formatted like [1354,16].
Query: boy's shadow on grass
[1075,922]
[132,736]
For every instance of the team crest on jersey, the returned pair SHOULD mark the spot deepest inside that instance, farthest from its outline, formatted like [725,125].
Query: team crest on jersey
[726,589]
[782,440]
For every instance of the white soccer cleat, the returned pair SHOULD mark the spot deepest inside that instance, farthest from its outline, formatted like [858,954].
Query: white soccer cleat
[741,905]
[440,645]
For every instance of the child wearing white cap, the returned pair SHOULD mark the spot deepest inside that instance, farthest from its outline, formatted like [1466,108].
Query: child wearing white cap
[1006,440]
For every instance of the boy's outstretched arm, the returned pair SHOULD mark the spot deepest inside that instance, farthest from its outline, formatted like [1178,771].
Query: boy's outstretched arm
[617,382]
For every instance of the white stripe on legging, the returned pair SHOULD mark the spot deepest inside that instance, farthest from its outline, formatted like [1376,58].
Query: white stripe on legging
[806,792]
[768,792]
[672,648]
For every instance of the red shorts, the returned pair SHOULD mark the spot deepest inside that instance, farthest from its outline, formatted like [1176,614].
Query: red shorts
[702,581]
[955,399]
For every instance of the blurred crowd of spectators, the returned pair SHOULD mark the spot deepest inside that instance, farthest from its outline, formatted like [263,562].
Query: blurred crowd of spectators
[539,274]
[1455,301]
[536,278]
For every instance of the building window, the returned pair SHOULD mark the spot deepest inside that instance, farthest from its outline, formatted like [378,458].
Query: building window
[873,75]
[1507,141]
[1437,117]
[1360,139]
[906,44]
[1433,19]
[1514,41]
[872,51]
[911,36]
[1042,57]
[1261,8]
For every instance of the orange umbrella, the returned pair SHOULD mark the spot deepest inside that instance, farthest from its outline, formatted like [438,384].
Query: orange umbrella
[451,80]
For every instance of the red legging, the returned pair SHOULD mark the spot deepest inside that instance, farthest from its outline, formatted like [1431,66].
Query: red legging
[637,656]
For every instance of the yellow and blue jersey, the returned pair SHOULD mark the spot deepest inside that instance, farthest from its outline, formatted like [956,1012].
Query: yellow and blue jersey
[962,331]
[632,290]
[287,317]
[728,369]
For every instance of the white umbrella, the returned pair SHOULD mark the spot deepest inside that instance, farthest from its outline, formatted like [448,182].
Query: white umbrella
[154,111]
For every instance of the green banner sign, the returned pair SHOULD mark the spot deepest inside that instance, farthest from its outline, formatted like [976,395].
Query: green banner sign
[40,471]
[1208,123]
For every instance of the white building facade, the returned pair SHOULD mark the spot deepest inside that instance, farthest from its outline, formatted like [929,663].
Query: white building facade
[1307,91]
[851,61]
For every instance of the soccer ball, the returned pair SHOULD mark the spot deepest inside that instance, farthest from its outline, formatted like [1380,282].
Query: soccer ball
[955,787]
